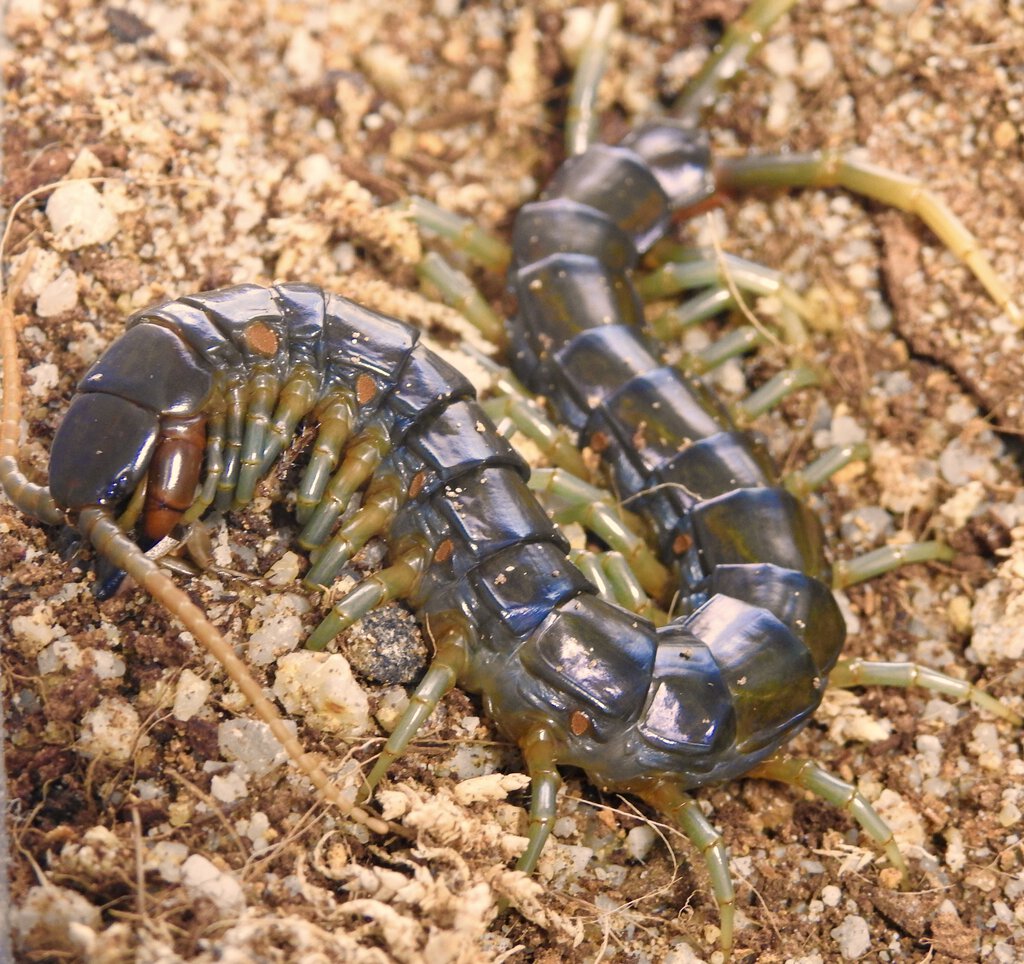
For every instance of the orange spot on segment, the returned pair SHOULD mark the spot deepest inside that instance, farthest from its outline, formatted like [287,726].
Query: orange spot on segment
[416,485]
[681,544]
[578,723]
[599,441]
[262,339]
[444,551]
[366,388]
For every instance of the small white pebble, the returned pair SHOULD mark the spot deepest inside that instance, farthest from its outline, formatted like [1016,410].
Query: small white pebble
[111,731]
[639,841]
[853,937]
[202,879]
[831,895]
[191,694]
[79,216]
[58,296]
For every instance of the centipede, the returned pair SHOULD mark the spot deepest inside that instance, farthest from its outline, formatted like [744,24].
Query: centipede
[687,654]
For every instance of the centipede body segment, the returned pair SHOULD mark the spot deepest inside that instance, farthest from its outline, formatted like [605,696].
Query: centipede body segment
[192,407]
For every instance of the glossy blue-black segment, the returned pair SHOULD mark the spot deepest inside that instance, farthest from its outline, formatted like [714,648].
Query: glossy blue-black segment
[760,525]
[461,439]
[770,674]
[427,382]
[712,466]
[679,158]
[233,310]
[487,512]
[689,706]
[658,412]
[592,366]
[303,308]
[617,182]
[524,583]
[357,339]
[599,654]
[564,226]
[805,605]
[151,366]
[566,294]
[202,335]
[100,451]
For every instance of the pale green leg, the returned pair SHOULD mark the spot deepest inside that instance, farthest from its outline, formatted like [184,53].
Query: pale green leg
[234,426]
[440,678]
[742,38]
[836,169]
[594,509]
[460,293]
[463,234]
[539,751]
[361,460]
[849,572]
[858,672]
[721,273]
[373,518]
[677,805]
[737,342]
[525,416]
[581,116]
[772,392]
[802,482]
[264,388]
[298,397]
[616,582]
[395,582]
[809,776]
[334,417]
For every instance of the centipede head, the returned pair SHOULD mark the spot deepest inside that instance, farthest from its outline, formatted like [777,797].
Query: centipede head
[136,420]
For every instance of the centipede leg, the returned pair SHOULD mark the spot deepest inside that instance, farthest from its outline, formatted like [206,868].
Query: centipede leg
[395,582]
[802,482]
[458,292]
[335,414]
[441,676]
[668,798]
[807,775]
[377,512]
[594,509]
[538,748]
[849,572]
[361,460]
[835,169]
[616,582]
[860,672]
[722,277]
[772,392]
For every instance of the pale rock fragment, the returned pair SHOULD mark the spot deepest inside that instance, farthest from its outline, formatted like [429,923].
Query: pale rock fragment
[111,731]
[79,216]
[201,878]
[320,687]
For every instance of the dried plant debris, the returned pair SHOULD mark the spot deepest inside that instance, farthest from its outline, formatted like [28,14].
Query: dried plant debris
[152,819]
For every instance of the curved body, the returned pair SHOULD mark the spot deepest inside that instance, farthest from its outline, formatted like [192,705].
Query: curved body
[703,698]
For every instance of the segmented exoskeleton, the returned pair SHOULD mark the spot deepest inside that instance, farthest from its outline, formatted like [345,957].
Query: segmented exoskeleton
[193,405]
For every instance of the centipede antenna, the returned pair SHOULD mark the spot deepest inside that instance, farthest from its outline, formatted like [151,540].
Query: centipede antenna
[111,543]
[849,673]
[742,38]
[581,118]
[823,169]
[29,497]
[807,775]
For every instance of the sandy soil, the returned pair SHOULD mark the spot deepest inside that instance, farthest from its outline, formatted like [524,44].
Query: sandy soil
[248,144]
